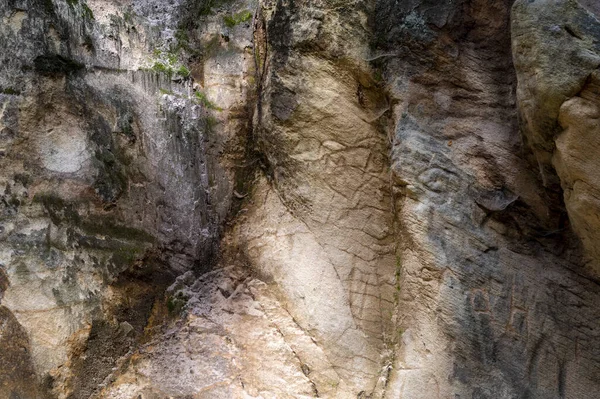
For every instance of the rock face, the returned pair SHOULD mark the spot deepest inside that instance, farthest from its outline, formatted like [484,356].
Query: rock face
[490,269]
[113,181]
[557,93]
[321,224]
[294,199]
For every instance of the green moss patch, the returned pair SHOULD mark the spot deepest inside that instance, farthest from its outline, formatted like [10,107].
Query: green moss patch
[159,67]
[236,19]
[200,98]
[168,64]
[10,91]
[183,71]
[177,302]
[87,12]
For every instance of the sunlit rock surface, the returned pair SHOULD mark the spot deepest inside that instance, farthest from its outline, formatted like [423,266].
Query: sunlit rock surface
[294,199]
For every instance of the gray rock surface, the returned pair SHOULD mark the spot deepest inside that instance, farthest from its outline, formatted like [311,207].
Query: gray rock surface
[294,199]
[113,180]
[557,101]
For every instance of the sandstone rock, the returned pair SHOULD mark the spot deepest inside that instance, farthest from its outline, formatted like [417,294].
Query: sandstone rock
[557,53]
[577,165]
[294,199]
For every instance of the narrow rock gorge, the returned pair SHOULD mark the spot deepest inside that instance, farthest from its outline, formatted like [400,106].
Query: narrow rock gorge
[299,199]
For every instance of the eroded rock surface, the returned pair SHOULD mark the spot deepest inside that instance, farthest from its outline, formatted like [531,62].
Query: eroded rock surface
[298,199]
[322,227]
[113,179]
[558,99]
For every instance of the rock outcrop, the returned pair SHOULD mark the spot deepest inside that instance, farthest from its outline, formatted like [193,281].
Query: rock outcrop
[295,199]
[113,177]
[492,280]
[557,54]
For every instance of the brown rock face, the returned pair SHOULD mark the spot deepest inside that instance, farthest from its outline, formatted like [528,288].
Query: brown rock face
[296,199]
[578,167]
[557,98]
[17,376]
[322,226]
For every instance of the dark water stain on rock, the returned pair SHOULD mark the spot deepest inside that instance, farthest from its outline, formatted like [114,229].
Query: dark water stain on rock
[56,65]
[17,376]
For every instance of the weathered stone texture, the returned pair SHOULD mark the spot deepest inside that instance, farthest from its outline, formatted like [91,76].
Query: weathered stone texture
[296,199]
[112,177]
[322,226]
[486,252]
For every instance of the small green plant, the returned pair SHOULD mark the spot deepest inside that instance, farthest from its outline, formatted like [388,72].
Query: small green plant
[206,7]
[10,91]
[201,99]
[164,91]
[167,63]
[172,58]
[175,304]
[398,273]
[159,67]
[128,16]
[183,40]
[378,76]
[236,19]
[182,36]
[171,305]
[87,12]
[183,72]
